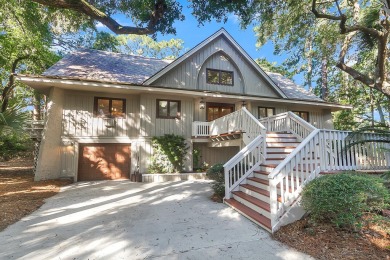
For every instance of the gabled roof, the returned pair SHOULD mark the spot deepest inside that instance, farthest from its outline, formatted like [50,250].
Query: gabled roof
[291,89]
[106,66]
[198,47]
[102,66]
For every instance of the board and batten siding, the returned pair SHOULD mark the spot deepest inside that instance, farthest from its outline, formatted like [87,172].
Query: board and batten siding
[79,120]
[153,126]
[219,54]
[214,155]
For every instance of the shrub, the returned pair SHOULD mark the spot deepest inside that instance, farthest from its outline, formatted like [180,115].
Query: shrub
[169,152]
[12,144]
[342,199]
[216,173]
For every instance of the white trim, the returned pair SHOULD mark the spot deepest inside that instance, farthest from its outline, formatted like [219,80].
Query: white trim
[220,32]
[69,83]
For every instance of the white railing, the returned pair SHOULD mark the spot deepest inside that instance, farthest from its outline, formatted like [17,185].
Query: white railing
[239,121]
[243,164]
[290,122]
[340,155]
[321,150]
[200,129]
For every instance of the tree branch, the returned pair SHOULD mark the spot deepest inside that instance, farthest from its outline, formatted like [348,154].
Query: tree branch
[91,11]
[11,82]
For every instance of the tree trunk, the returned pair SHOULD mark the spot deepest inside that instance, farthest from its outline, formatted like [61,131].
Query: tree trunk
[324,79]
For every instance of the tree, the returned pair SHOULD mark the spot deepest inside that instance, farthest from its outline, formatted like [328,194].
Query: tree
[149,16]
[25,44]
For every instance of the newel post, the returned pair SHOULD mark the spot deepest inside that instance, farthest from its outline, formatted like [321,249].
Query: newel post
[227,190]
[273,202]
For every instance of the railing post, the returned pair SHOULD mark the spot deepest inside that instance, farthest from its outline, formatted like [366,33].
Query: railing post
[273,194]
[227,190]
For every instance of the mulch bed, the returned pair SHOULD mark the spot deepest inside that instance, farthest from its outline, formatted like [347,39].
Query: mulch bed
[324,241]
[19,193]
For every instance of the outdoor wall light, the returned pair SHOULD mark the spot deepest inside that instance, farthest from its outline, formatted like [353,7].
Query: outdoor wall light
[243,104]
[201,104]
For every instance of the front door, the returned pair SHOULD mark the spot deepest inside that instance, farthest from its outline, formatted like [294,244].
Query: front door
[217,110]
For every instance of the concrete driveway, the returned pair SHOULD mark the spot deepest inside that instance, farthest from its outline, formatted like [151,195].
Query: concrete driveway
[124,220]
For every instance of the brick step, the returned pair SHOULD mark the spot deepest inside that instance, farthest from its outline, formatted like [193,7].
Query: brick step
[254,216]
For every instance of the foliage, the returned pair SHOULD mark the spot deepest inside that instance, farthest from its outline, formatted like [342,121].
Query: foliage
[342,199]
[169,153]
[272,67]
[13,142]
[216,173]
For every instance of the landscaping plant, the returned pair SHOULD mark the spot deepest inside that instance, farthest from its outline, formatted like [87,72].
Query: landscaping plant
[342,199]
[169,153]
[216,173]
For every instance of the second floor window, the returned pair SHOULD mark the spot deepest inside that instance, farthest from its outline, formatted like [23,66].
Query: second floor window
[109,107]
[169,109]
[220,77]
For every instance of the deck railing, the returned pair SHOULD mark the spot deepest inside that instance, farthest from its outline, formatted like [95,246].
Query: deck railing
[321,150]
[290,122]
[239,121]
[200,129]
[35,128]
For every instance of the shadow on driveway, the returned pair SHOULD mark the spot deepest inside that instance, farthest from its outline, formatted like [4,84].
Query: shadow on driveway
[125,220]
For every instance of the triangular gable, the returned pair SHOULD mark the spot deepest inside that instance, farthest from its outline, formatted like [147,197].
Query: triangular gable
[222,33]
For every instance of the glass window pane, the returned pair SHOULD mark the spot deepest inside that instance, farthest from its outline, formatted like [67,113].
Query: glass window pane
[213,76]
[225,111]
[173,108]
[226,78]
[103,107]
[163,108]
[305,115]
[270,111]
[262,112]
[117,108]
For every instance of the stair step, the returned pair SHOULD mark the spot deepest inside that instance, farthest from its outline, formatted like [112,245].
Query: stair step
[256,189]
[259,203]
[256,217]
[285,149]
[258,180]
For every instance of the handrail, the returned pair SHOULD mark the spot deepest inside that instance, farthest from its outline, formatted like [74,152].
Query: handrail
[243,164]
[240,120]
[281,165]
[303,122]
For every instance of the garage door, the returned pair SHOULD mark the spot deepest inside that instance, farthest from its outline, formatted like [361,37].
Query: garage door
[104,162]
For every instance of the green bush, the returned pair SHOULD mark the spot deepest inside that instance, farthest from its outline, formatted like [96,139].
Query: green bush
[216,173]
[169,152]
[12,144]
[342,199]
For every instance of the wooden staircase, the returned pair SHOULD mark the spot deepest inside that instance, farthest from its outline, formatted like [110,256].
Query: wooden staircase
[253,197]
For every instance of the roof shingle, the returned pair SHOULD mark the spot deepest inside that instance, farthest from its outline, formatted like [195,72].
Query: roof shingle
[115,67]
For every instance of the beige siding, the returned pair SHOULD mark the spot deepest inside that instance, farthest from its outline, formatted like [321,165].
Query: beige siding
[213,156]
[152,126]
[190,73]
[79,121]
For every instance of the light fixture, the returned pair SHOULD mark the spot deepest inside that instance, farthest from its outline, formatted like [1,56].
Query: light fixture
[201,104]
[243,104]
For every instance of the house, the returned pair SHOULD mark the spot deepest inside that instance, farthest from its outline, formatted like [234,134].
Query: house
[273,135]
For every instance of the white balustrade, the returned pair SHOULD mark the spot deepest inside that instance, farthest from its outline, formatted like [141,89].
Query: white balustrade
[201,129]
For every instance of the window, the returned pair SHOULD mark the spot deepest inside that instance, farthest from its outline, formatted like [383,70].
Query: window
[109,107]
[302,114]
[220,77]
[168,108]
[266,111]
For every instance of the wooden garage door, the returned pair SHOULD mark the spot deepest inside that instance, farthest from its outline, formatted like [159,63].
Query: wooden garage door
[104,162]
